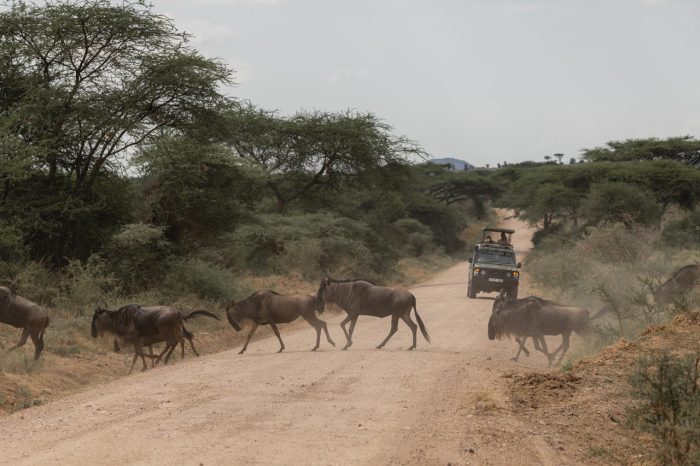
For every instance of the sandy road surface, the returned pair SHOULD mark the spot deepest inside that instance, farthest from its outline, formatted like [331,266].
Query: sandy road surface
[437,405]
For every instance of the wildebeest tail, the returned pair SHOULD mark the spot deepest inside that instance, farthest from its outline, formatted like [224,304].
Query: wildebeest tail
[423,330]
[186,333]
[201,313]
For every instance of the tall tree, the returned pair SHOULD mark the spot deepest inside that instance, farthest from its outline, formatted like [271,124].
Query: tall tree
[86,81]
[314,151]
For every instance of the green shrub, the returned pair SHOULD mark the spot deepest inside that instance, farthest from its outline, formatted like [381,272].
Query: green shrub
[413,238]
[310,244]
[12,247]
[684,232]
[667,389]
[83,285]
[201,278]
[621,202]
[138,254]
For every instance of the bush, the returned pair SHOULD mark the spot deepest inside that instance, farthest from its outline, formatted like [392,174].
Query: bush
[310,244]
[684,232]
[668,393]
[621,202]
[413,238]
[204,279]
[83,285]
[138,254]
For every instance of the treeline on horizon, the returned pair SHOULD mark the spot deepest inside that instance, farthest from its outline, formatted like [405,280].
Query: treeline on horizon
[125,166]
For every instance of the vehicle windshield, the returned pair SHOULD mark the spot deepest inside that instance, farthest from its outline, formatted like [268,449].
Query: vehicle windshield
[490,256]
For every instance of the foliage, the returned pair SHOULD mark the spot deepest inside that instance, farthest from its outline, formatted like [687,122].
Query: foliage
[685,149]
[83,83]
[451,186]
[668,392]
[314,151]
[138,254]
[195,190]
[332,245]
[683,232]
[200,278]
[620,202]
[548,194]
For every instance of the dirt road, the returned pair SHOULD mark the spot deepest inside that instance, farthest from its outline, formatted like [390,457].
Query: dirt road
[440,404]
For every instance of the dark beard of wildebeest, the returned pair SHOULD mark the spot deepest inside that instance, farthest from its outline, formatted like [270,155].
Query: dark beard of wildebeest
[681,281]
[22,313]
[360,297]
[270,308]
[150,341]
[535,319]
[146,325]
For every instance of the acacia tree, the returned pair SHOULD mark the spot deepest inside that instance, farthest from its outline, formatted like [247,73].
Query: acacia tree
[452,187]
[310,152]
[685,149]
[82,83]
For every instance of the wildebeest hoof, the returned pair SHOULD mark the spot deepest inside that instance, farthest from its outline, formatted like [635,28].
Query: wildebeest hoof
[281,349]
[332,342]
[411,348]
[514,359]
[314,348]
[241,351]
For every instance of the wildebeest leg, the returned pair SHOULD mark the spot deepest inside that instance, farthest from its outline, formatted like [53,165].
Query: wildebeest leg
[316,324]
[116,346]
[38,346]
[22,339]
[345,332]
[172,348]
[277,332]
[392,331]
[544,349]
[139,351]
[407,318]
[350,331]
[522,347]
[325,329]
[193,348]
[250,334]
[564,346]
[150,355]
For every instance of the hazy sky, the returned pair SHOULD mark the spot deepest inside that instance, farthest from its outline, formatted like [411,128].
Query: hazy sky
[481,80]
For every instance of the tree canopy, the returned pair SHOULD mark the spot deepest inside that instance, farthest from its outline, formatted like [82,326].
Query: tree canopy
[314,151]
[82,83]
[684,149]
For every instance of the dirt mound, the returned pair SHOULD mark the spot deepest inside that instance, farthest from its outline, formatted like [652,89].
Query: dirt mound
[585,408]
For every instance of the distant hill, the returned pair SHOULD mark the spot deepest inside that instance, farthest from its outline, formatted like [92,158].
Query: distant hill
[457,163]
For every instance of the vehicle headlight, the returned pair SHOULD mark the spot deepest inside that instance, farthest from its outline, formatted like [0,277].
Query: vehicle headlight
[515,274]
[476,270]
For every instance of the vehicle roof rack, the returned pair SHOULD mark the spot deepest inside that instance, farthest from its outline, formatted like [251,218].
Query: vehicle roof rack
[500,230]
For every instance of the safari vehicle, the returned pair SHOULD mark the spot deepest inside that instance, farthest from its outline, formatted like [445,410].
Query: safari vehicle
[493,266]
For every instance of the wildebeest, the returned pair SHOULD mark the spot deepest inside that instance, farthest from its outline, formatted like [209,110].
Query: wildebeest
[360,297]
[22,313]
[271,308]
[682,280]
[539,343]
[536,319]
[146,325]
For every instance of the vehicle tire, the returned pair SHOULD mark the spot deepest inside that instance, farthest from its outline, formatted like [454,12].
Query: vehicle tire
[470,291]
